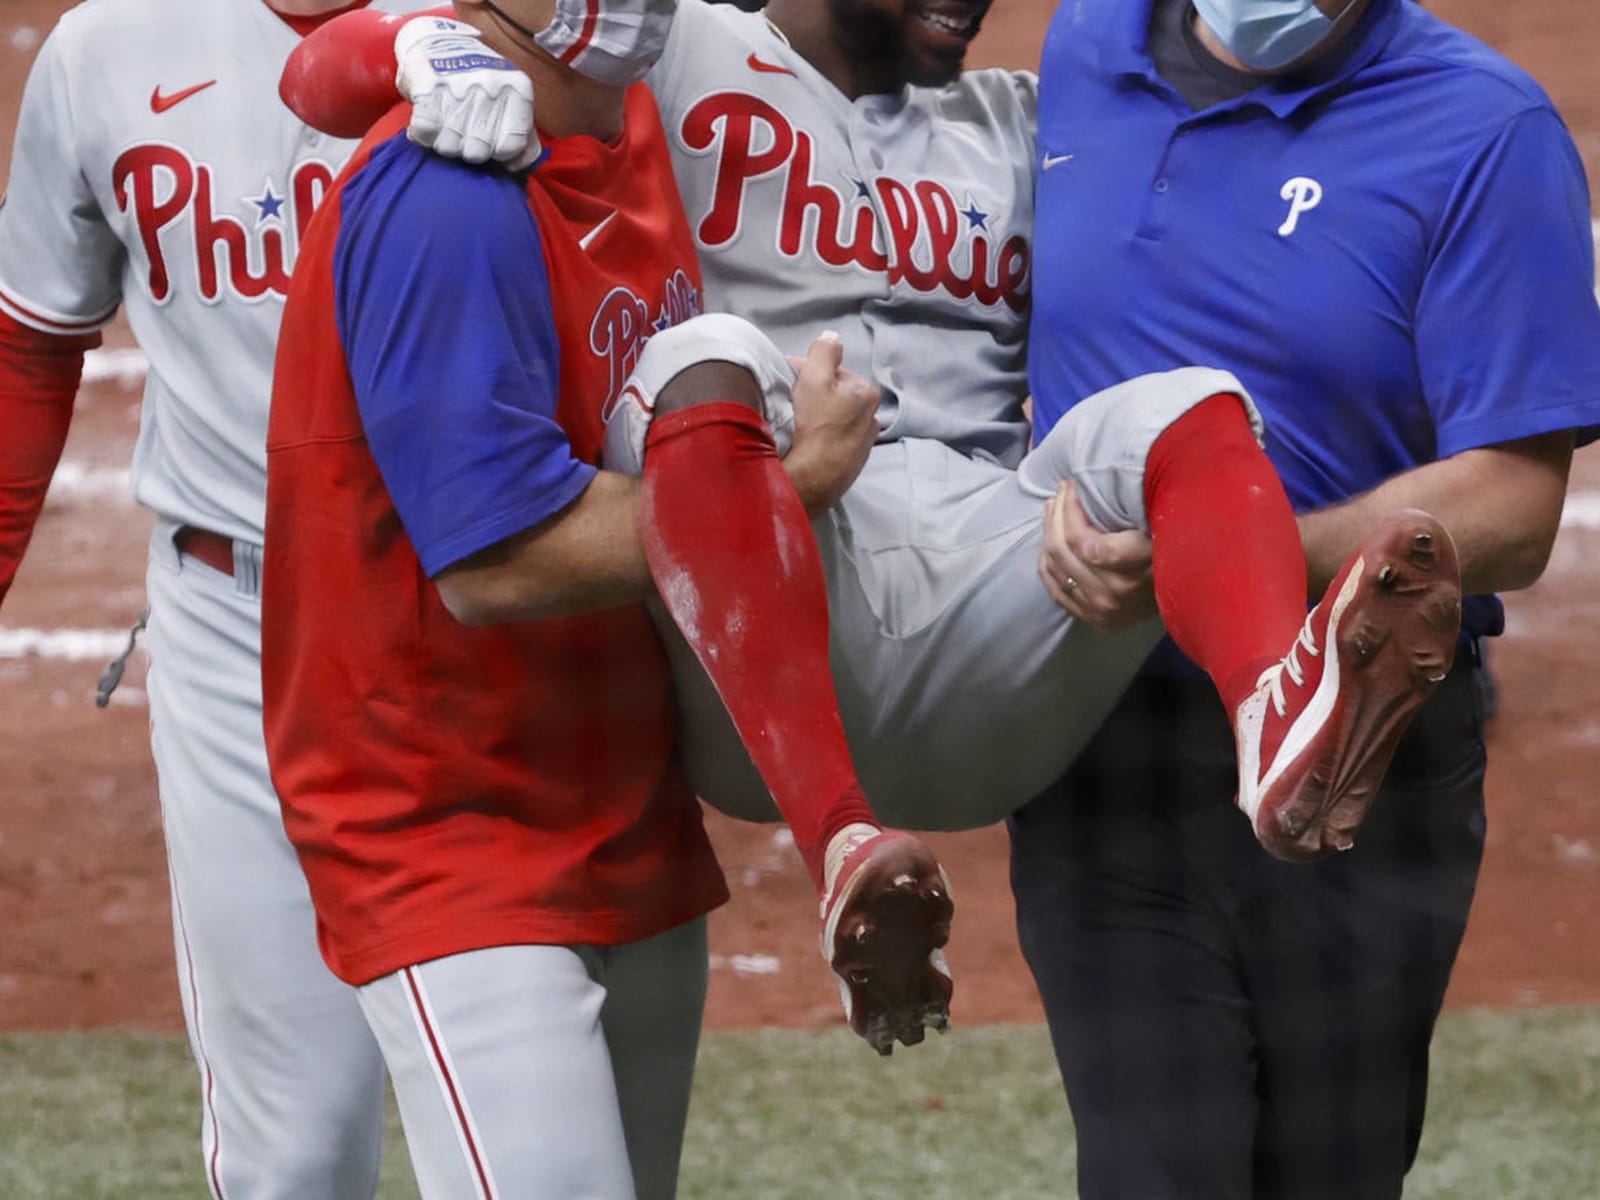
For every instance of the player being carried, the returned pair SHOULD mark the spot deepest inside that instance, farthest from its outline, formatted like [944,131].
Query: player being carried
[839,170]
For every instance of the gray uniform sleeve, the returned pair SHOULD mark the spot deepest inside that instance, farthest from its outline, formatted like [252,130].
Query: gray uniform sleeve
[1027,87]
[689,19]
[60,262]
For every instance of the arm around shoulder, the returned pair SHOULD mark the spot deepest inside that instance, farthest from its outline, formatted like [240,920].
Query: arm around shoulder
[341,77]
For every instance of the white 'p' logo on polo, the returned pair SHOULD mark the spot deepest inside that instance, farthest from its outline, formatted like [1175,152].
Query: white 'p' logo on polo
[1303,194]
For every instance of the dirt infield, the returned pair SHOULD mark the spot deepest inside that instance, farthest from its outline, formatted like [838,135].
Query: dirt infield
[83,894]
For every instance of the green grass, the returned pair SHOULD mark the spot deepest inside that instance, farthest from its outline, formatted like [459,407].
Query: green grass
[1515,1115]
[784,1116]
[1514,1108]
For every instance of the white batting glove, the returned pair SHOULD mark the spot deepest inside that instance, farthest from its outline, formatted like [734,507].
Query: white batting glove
[467,101]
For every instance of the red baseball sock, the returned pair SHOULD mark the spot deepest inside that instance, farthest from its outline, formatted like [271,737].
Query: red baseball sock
[736,564]
[1230,572]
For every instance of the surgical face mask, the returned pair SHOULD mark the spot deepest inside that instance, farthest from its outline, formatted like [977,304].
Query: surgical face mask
[1268,35]
[612,41]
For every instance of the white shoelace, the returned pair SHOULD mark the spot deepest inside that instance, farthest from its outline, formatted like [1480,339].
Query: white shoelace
[1290,666]
[839,848]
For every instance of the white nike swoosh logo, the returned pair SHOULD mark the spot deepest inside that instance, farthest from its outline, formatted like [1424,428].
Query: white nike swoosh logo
[1323,699]
[1317,709]
[583,242]
[1055,160]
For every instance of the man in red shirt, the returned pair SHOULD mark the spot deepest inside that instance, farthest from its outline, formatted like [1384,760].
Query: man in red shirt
[469,715]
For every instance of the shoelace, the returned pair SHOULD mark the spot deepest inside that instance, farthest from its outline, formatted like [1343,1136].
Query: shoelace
[844,850]
[1290,665]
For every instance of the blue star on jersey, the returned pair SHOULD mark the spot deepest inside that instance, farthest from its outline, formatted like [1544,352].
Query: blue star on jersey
[976,218]
[270,204]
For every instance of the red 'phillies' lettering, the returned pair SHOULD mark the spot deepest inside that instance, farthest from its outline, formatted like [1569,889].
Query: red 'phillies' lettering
[212,232]
[801,195]
[617,333]
[738,115]
[905,223]
[307,187]
[753,140]
[133,179]
[622,324]
[161,185]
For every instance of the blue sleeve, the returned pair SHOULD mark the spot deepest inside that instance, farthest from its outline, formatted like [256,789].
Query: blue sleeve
[444,308]
[1508,329]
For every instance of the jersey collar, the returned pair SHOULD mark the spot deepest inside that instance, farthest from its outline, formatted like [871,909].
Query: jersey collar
[1125,52]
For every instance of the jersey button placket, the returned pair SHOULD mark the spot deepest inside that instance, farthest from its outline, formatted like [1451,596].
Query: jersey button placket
[866,133]
[866,125]
[1153,220]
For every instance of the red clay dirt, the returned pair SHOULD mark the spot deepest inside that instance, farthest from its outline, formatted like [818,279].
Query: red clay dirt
[83,880]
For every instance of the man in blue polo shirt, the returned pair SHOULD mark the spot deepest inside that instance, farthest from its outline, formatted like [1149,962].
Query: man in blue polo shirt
[1383,228]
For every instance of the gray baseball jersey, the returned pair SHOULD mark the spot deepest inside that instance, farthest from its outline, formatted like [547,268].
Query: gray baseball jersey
[127,189]
[903,221]
[156,169]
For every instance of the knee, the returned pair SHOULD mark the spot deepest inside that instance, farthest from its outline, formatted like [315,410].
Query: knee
[709,381]
[308,1164]
[718,357]
[714,357]
[699,339]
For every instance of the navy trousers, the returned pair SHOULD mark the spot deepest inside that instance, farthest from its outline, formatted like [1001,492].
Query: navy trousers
[1232,1027]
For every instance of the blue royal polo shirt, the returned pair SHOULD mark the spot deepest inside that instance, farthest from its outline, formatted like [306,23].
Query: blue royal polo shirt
[1392,250]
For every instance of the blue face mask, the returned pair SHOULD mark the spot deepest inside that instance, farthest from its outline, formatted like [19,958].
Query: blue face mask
[1266,35]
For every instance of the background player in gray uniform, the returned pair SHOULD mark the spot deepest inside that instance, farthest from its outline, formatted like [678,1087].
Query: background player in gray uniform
[155,168]
[826,187]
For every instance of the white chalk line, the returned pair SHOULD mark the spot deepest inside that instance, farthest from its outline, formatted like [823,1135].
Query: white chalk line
[76,480]
[746,965]
[1582,511]
[63,645]
[126,367]
[1595,229]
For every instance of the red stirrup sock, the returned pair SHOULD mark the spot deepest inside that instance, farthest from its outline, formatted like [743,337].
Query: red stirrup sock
[1230,572]
[736,563]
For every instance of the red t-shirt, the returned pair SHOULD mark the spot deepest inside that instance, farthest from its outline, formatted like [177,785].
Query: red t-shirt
[443,373]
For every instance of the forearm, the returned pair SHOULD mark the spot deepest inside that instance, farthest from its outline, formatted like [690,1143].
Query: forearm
[1501,504]
[586,558]
[341,77]
[817,480]
[39,374]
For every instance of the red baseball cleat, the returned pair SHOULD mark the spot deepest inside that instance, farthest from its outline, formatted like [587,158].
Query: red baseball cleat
[884,923]
[1316,736]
